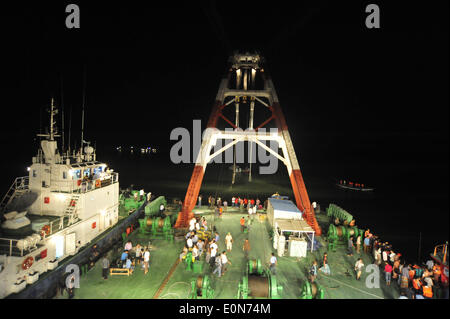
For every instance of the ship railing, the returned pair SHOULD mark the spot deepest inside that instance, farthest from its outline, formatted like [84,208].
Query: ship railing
[9,246]
[75,186]
[59,224]
[19,184]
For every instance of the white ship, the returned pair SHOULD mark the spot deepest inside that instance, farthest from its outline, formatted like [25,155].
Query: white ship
[65,202]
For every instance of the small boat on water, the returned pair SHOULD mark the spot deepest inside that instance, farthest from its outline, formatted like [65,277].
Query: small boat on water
[354,186]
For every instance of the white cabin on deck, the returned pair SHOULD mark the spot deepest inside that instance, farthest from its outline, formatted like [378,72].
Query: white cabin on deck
[69,200]
[282,209]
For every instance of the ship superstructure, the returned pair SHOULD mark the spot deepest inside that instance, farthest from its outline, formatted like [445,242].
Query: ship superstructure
[64,203]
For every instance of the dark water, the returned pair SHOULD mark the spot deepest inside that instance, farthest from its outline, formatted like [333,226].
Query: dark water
[400,208]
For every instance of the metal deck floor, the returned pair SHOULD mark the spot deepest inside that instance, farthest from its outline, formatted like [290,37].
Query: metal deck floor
[291,271]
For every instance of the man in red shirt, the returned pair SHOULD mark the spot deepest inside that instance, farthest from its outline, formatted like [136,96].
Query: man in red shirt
[388,271]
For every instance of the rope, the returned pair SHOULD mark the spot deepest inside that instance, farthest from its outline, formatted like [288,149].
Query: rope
[166,280]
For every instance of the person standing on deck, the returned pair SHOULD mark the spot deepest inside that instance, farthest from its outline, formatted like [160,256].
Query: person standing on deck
[146,260]
[225,205]
[366,244]
[358,244]
[246,248]
[388,273]
[242,222]
[273,264]
[225,261]
[105,267]
[218,264]
[350,246]
[199,200]
[212,259]
[229,241]
[313,271]
[233,199]
[200,245]
[358,268]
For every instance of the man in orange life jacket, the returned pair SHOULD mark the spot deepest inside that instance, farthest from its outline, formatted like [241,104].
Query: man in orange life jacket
[417,285]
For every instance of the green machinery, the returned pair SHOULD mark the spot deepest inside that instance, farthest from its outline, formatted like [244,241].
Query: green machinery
[132,202]
[152,208]
[339,215]
[157,227]
[154,225]
[341,233]
[258,282]
[311,291]
[201,288]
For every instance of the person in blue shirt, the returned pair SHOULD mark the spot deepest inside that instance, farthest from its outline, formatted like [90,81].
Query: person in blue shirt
[367,245]
[124,256]
[129,265]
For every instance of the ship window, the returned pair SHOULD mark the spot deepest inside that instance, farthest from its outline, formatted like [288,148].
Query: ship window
[77,173]
[97,170]
[64,175]
[34,173]
[87,172]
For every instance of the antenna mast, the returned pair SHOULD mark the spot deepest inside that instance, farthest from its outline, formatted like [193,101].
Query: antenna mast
[82,111]
[62,114]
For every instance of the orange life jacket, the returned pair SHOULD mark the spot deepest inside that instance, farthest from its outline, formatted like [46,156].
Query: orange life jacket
[416,284]
[411,274]
[427,292]
[436,270]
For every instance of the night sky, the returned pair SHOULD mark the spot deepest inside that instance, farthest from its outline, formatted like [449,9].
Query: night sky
[369,103]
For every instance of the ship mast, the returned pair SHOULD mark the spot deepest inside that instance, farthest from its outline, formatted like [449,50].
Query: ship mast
[53,132]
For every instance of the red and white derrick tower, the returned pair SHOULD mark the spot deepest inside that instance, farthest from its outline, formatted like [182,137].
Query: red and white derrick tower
[239,86]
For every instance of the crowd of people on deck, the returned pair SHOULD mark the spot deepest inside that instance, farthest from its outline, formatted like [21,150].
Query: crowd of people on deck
[236,201]
[207,246]
[414,281]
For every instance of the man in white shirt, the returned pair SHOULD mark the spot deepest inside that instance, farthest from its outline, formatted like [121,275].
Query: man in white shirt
[192,224]
[225,261]
[146,260]
[212,259]
[195,252]
[189,242]
[229,241]
[214,245]
[273,263]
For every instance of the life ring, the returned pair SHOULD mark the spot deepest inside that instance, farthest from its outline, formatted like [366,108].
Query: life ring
[27,263]
[79,182]
[45,230]
[98,183]
[73,203]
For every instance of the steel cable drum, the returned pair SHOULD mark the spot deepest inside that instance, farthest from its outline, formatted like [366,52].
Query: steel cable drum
[258,286]
[253,266]
[149,222]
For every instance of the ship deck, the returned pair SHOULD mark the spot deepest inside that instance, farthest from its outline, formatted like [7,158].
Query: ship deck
[167,279]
